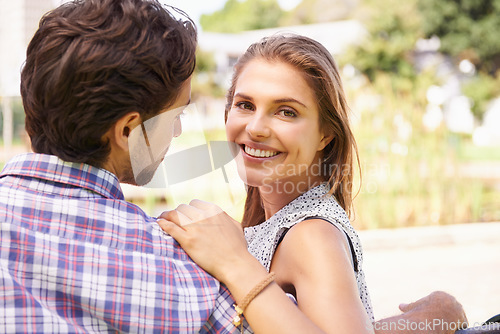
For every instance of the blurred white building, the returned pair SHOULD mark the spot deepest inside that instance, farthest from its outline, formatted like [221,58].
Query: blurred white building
[335,36]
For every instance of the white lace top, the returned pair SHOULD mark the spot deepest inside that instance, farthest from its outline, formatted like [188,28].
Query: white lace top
[263,239]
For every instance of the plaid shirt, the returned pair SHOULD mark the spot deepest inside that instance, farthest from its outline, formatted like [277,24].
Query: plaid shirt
[75,257]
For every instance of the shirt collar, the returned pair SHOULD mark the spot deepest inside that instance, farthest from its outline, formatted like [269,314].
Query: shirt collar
[51,168]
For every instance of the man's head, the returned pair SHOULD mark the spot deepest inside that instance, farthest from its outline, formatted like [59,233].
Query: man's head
[91,63]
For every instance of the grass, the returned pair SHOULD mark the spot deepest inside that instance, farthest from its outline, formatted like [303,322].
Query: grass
[422,183]
[469,152]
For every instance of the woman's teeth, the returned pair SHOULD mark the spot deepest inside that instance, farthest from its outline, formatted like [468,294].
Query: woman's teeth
[259,153]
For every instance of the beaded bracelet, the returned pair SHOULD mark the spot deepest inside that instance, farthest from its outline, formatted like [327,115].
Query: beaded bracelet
[237,321]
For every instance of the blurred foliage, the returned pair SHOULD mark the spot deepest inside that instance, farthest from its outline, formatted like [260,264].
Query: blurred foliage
[205,61]
[413,176]
[317,11]
[481,89]
[393,31]
[18,117]
[468,29]
[239,16]
[203,83]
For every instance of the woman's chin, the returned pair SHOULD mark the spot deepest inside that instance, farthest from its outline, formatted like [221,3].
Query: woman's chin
[250,181]
[259,181]
[251,178]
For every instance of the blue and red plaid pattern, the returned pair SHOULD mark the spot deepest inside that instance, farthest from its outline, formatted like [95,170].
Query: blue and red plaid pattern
[75,257]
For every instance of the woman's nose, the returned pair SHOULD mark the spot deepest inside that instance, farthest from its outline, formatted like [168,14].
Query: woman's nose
[258,126]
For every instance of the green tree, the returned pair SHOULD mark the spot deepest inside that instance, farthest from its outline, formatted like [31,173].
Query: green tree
[481,89]
[239,16]
[204,83]
[468,29]
[393,31]
[315,11]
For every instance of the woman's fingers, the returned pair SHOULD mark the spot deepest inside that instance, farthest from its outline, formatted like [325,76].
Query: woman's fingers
[205,206]
[172,228]
[197,210]
[169,215]
[198,203]
[210,209]
[177,216]
[210,237]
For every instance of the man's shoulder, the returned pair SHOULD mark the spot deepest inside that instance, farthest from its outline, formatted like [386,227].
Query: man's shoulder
[42,194]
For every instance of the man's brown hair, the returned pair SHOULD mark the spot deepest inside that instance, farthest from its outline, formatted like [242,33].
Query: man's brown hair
[93,61]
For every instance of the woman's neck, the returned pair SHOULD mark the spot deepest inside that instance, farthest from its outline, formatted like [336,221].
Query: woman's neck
[278,194]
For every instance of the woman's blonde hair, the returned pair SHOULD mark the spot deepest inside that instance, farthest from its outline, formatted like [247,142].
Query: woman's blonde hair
[321,72]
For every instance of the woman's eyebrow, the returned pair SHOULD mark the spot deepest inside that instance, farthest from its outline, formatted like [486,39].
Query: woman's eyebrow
[277,101]
[243,96]
[288,100]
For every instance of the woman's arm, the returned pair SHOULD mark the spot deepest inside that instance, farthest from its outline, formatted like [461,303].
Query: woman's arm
[272,311]
[218,246]
[331,294]
[314,257]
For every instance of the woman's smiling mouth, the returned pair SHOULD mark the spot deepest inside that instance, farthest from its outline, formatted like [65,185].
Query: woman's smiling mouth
[259,153]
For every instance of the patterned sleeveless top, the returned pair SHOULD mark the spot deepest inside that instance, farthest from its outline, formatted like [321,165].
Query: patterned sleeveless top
[263,239]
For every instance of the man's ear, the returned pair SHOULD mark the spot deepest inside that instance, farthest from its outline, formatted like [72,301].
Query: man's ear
[120,131]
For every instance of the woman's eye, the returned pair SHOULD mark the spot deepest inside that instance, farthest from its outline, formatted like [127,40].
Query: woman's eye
[287,113]
[244,105]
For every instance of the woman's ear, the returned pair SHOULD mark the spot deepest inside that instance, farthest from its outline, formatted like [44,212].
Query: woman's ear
[325,140]
[120,131]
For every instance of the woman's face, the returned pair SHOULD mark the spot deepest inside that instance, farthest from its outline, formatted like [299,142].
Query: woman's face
[274,119]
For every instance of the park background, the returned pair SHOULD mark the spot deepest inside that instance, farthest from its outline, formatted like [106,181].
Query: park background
[423,82]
